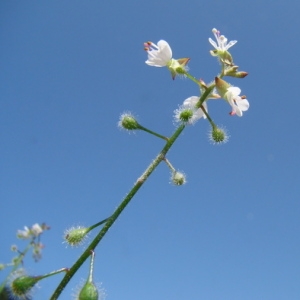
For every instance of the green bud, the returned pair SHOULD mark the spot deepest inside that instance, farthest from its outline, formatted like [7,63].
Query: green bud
[241,74]
[221,86]
[22,285]
[89,292]
[233,72]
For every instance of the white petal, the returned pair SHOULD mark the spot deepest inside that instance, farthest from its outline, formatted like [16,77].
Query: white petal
[234,90]
[230,44]
[199,112]
[155,63]
[191,101]
[159,55]
[244,104]
[238,111]
[213,43]
[165,48]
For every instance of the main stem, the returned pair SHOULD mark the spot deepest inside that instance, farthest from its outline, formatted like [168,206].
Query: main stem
[110,221]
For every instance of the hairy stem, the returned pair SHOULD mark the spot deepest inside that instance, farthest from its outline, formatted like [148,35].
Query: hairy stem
[110,221]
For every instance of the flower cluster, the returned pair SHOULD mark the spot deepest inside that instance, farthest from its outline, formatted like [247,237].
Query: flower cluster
[33,234]
[193,108]
[28,233]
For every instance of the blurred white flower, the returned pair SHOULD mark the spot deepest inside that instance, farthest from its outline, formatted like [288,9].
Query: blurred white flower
[24,234]
[36,229]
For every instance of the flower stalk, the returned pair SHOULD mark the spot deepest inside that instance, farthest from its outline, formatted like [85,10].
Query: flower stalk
[141,180]
[153,133]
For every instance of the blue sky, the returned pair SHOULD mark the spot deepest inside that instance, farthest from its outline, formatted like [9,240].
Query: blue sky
[68,69]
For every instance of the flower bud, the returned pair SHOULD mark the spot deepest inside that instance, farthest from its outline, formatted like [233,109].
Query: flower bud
[127,121]
[89,292]
[241,74]
[233,72]
[178,178]
[22,286]
[221,86]
[76,236]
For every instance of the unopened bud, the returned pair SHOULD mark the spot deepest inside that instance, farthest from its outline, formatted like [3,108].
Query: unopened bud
[21,287]
[221,86]
[241,74]
[233,72]
[89,292]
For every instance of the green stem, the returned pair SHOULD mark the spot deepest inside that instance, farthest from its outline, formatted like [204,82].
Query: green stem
[152,132]
[117,212]
[98,224]
[208,117]
[17,262]
[169,165]
[54,273]
[205,95]
[192,78]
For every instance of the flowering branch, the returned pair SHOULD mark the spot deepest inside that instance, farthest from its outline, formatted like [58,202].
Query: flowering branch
[192,109]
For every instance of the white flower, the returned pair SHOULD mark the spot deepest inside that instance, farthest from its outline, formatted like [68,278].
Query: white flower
[221,40]
[24,234]
[188,113]
[159,55]
[238,104]
[36,229]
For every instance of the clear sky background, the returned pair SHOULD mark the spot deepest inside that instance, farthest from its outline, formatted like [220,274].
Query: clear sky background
[68,69]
